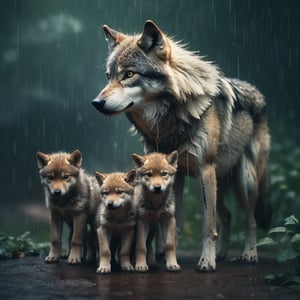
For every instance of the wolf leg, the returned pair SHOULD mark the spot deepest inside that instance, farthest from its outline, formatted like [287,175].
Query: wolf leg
[178,189]
[207,189]
[126,244]
[104,251]
[90,244]
[170,248]
[151,257]
[247,189]
[56,225]
[161,233]
[141,248]
[79,225]
[225,219]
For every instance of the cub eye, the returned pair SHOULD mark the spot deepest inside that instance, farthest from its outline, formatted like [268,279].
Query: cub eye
[50,177]
[129,74]
[148,174]
[164,173]
[107,75]
[120,192]
[66,176]
[104,194]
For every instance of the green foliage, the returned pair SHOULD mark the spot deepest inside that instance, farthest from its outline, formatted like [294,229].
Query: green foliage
[284,173]
[17,247]
[285,242]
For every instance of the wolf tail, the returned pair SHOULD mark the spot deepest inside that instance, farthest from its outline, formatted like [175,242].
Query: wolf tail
[263,208]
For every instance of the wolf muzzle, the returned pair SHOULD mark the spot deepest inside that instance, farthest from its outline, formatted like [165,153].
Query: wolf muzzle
[99,105]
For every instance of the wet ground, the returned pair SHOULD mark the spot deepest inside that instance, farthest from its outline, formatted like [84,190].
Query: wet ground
[31,278]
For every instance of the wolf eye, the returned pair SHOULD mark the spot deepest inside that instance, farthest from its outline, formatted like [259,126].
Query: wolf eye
[50,177]
[66,176]
[164,174]
[104,194]
[128,74]
[120,192]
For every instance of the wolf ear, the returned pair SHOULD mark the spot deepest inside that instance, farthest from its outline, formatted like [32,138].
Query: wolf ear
[153,39]
[75,158]
[172,158]
[100,177]
[138,160]
[42,159]
[113,37]
[130,177]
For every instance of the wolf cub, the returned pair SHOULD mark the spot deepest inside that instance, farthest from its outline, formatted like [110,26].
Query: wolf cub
[155,202]
[72,197]
[116,219]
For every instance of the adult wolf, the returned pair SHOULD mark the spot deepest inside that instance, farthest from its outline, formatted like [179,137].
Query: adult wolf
[177,100]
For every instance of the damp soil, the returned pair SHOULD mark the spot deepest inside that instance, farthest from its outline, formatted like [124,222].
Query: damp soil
[31,278]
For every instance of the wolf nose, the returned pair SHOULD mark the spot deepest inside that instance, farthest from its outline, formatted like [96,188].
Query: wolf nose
[157,188]
[98,104]
[57,192]
[110,204]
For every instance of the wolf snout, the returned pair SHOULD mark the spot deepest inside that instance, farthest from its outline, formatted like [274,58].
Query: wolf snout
[57,192]
[112,204]
[99,104]
[157,188]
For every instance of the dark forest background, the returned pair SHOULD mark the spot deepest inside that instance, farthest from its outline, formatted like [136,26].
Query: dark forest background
[52,64]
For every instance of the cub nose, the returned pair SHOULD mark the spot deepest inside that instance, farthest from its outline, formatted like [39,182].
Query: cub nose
[57,192]
[110,204]
[99,104]
[157,188]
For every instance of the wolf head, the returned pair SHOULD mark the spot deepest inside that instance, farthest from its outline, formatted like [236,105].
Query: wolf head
[151,70]
[59,171]
[116,188]
[135,69]
[156,171]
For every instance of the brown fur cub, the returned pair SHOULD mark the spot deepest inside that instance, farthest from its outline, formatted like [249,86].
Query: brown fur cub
[116,219]
[155,202]
[72,197]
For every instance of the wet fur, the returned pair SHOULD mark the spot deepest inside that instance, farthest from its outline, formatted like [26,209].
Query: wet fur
[116,220]
[177,100]
[71,197]
[155,201]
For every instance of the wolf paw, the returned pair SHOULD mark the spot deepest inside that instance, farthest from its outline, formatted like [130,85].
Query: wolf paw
[74,260]
[103,270]
[127,268]
[205,265]
[51,259]
[249,258]
[173,268]
[141,268]
[153,265]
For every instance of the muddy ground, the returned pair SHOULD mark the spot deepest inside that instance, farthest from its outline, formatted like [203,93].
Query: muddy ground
[31,278]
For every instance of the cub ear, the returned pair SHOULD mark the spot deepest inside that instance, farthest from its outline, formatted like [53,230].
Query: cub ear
[153,39]
[113,37]
[100,177]
[130,177]
[75,158]
[138,160]
[42,159]
[172,158]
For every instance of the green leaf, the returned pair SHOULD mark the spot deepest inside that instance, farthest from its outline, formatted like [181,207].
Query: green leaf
[279,229]
[294,279]
[286,254]
[267,241]
[296,238]
[291,220]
